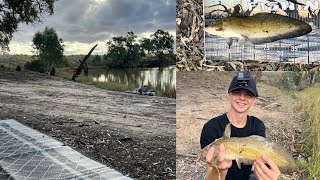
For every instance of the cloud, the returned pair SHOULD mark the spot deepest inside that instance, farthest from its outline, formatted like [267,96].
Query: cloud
[92,21]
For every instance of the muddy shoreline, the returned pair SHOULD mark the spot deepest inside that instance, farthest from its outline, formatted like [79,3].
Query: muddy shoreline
[130,133]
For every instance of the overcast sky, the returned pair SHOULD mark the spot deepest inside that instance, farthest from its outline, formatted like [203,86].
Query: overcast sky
[82,23]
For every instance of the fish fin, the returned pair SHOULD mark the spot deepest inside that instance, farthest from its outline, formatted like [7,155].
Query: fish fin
[247,161]
[229,41]
[227,131]
[245,37]
[238,163]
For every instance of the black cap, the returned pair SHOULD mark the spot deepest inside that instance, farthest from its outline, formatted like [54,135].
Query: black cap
[249,85]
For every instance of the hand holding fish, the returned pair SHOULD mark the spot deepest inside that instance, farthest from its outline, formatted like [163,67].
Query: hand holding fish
[262,172]
[221,166]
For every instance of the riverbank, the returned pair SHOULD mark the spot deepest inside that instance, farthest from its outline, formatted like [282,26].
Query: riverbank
[159,80]
[130,133]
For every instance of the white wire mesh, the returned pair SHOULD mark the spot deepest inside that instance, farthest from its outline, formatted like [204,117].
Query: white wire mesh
[29,155]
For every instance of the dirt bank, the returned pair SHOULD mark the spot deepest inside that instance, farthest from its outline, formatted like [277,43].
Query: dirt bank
[130,133]
[203,95]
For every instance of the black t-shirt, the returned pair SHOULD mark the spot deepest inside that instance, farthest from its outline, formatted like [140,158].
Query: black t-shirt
[214,129]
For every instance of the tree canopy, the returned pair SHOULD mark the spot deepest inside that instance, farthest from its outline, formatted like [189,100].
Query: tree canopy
[49,47]
[124,51]
[162,42]
[13,12]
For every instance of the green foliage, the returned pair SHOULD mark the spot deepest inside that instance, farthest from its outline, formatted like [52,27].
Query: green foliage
[96,60]
[124,51]
[309,101]
[64,63]
[147,45]
[36,65]
[298,80]
[49,47]
[160,45]
[166,59]
[13,12]
[162,42]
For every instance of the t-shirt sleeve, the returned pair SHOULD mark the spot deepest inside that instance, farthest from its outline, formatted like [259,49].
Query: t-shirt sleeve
[208,135]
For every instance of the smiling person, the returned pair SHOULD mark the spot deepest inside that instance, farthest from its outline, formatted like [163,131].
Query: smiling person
[242,95]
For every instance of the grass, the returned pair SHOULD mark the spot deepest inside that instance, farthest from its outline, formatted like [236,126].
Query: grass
[309,103]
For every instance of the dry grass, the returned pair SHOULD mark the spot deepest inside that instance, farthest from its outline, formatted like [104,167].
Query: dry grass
[190,40]
[309,103]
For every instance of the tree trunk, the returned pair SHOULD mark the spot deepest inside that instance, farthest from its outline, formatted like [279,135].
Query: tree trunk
[83,65]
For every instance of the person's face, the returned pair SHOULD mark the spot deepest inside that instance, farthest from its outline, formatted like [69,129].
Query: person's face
[241,100]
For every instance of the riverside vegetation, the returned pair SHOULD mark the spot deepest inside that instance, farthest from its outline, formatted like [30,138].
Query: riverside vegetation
[306,86]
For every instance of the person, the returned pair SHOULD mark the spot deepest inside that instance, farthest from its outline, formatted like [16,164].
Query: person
[242,94]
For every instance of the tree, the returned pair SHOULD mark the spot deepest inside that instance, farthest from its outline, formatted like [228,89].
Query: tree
[162,43]
[49,47]
[146,44]
[83,65]
[96,60]
[13,12]
[124,51]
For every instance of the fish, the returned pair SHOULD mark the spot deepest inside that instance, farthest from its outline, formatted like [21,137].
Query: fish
[258,29]
[244,150]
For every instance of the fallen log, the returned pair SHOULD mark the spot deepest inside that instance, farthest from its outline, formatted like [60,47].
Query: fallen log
[83,65]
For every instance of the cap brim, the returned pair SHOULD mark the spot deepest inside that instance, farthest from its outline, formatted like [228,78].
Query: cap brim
[246,88]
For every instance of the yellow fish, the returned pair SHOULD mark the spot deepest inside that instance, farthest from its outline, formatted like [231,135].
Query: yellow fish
[247,149]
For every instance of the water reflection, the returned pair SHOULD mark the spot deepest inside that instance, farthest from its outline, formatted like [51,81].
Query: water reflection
[160,80]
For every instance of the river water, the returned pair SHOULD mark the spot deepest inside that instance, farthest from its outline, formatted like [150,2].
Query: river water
[161,80]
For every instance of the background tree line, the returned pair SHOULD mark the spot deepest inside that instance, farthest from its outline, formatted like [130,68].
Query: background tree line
[127,51]
[122,52]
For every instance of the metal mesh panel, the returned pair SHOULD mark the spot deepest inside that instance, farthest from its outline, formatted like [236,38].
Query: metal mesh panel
[28,154]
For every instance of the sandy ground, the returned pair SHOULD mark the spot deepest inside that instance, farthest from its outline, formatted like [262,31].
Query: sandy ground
[203,95]
[130,133]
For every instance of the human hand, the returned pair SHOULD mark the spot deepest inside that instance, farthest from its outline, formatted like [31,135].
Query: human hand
[221,164]
[263,172]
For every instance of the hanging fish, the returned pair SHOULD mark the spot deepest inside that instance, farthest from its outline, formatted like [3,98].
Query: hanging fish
[258,29]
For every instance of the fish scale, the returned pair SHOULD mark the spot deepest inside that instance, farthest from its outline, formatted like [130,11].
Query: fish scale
[247,149]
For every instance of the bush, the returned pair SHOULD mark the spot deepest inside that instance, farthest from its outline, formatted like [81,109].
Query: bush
[64,63]
[298,80]
[36,65]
